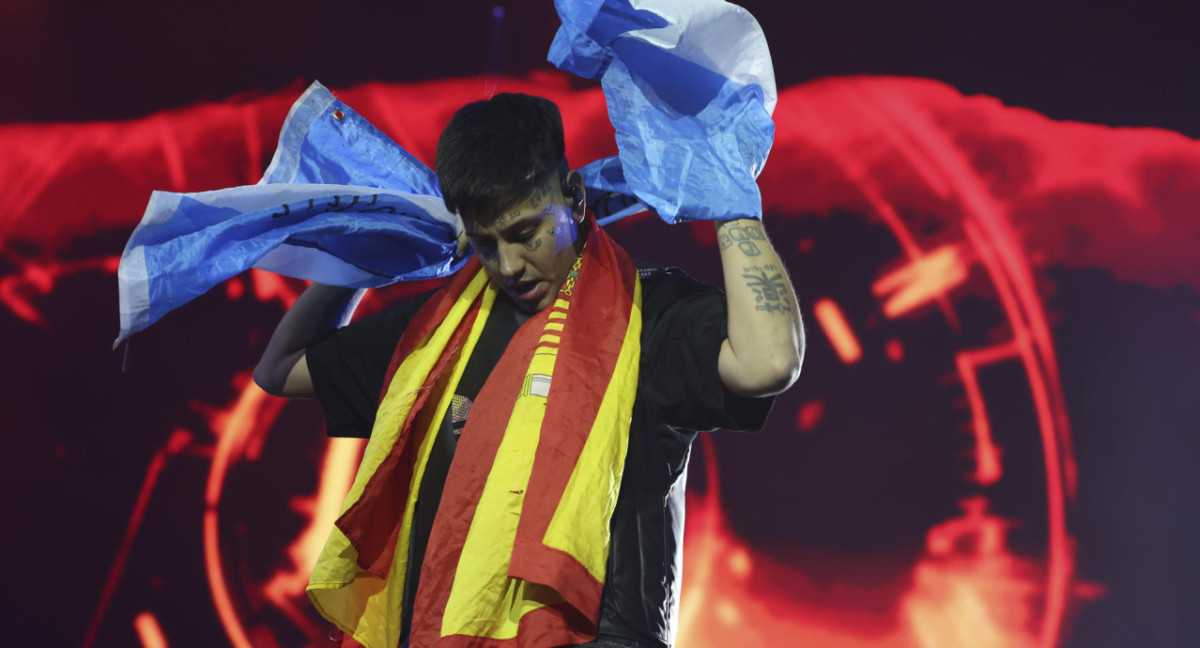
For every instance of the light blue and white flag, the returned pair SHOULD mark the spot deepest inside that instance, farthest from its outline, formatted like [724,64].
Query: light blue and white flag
[690,91]
[340,203]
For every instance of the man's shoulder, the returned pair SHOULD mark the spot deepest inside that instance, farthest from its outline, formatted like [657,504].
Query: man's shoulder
[655,272]
[661,275]
[664,286]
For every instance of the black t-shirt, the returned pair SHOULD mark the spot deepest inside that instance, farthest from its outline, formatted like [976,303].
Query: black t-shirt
[679,392]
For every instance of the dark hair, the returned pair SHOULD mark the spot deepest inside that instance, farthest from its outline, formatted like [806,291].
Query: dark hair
[494,152]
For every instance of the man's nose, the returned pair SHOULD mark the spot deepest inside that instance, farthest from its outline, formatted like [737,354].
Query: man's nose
[512,262]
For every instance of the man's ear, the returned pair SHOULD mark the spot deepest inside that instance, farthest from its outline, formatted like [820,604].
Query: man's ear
[576,194]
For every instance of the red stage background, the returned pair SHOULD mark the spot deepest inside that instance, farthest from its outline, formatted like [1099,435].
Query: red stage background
[990,444]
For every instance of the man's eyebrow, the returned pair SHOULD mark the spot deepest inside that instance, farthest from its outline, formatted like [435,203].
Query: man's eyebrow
[524,221]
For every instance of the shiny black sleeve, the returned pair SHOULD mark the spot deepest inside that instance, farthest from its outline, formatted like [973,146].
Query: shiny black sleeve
[348,368]
[684,325]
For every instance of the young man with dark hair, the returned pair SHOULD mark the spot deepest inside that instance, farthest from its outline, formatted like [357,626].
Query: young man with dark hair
[534,417]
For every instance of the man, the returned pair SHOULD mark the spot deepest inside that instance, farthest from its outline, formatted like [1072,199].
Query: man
[546,502]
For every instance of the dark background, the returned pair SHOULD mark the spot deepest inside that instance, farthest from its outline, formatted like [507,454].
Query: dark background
[1116,63]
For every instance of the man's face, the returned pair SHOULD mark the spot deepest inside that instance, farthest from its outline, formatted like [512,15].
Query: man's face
[530,249]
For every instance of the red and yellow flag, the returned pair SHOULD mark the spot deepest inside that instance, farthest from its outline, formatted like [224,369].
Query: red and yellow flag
[519,547]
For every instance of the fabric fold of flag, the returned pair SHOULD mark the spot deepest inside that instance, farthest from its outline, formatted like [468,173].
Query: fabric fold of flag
[340,203]
[690,91]
[521,537]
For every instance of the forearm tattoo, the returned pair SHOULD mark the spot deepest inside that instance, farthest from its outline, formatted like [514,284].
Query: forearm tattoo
[744,237]
[770,288]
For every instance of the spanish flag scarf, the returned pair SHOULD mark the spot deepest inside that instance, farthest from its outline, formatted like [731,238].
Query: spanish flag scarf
[519,547]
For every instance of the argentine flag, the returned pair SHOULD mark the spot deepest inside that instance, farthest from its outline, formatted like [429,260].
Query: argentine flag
[690,91]
[340,203]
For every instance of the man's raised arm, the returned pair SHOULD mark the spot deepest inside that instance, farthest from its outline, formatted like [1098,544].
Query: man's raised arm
[283,371]
[762,354]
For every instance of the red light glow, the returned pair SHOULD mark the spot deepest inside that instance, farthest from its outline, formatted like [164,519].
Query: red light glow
[268,286]
[922,280]
[987,457]
[35,279]
[149,631]
[968,590]
[838,330]
[286,586]
[810,415]
[251,414]
[178,441]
